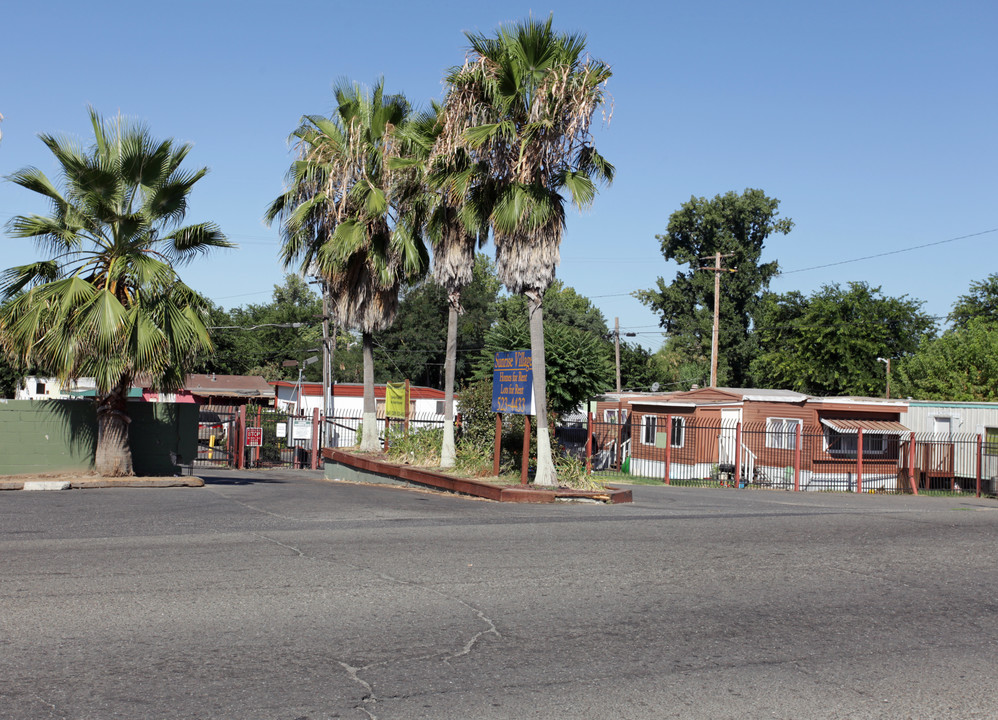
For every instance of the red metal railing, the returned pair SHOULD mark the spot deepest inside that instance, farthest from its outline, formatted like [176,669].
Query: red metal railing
[785,454]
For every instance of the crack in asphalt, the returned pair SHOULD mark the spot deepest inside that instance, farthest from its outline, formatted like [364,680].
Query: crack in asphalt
[370,698]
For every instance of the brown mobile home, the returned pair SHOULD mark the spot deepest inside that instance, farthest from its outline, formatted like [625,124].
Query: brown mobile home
[762,436]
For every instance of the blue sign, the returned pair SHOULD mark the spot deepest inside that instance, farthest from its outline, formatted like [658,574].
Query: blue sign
[513,383]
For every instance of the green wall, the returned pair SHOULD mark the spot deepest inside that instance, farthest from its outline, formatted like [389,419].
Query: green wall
[40,436]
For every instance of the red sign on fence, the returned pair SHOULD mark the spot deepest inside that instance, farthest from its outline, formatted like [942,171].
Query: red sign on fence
[254,437]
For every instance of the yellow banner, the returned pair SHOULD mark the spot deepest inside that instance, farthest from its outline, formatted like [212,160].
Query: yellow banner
[395,400]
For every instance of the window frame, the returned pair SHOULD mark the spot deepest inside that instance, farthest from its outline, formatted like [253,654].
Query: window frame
[649,428]
[678,427]
[788,438]
[990,441]
[851,440]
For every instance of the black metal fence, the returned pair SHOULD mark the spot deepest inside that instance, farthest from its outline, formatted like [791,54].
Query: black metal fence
[785,454]
[266,437]
[344,429]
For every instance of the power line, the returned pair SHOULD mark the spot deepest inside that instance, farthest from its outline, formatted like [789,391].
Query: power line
[889,252]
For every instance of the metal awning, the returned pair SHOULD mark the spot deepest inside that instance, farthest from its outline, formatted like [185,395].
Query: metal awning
[877,427]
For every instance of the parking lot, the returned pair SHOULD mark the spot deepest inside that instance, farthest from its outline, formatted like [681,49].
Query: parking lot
[279,595]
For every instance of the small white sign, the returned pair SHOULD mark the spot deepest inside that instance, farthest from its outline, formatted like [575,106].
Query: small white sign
[282,430]
[301,429]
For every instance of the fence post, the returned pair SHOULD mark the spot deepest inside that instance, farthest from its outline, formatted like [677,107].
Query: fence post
[980,459]
[240,439]
[911,464]
[797,451]
[497,447]
[620,435]
[668,449]
[316,440]
[525,462]
[859,460]
[406,425]
[738,454]
[589,443]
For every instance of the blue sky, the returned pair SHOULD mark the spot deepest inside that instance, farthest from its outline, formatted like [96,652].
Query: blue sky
[874,123]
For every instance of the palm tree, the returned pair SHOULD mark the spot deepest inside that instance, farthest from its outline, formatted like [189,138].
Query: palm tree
[108,303]
[524,103]
[340,221]
[448,201]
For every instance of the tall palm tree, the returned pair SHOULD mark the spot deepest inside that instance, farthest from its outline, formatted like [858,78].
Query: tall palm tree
[340,220]
[524,103]
[108,303]
[448,201]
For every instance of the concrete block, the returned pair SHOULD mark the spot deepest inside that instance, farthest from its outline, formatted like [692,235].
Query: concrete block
[46,485]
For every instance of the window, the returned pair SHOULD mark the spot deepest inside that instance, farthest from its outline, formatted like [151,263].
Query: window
[991,441]
[678,431]
[610,416]
[649,424]
[844,445]
[781,433]
[653,431]
[39,388]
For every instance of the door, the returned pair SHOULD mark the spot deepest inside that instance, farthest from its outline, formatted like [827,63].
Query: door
[726,450]
[940,460]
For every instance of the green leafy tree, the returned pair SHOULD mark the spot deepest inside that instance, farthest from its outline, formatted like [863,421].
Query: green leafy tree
[828,343]
[108,303]
[960,365]
[678,371]
[980,302]
[524,103]
[341,219]
[11,379]
[257,338]
[639,369]
[736,226]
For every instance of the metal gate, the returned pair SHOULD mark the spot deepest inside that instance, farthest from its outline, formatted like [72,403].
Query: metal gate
[217,436]
[286,439]
[266,438]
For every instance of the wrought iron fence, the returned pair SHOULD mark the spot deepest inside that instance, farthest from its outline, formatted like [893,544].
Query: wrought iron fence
[785,454]
[344,429]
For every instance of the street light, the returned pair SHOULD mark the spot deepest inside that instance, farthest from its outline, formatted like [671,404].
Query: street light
[301,367]
[887,362]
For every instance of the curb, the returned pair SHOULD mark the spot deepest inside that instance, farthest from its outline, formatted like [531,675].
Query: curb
[428,478]
[93,483]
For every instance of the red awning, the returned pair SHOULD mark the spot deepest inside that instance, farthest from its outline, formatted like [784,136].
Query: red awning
[878,427]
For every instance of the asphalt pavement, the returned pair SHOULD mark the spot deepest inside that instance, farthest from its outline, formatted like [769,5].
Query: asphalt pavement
[280,596]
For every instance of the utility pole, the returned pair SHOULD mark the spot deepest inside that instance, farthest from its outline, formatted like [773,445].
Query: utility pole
[717,270]
[616,347]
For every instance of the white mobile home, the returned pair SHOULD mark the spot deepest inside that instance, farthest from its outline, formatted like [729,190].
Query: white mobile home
[951,430]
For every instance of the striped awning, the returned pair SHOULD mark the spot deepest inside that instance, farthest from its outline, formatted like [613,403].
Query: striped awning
[878,427]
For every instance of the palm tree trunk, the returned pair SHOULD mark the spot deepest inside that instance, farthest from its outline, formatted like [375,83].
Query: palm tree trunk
[369,439]
[546,474]
[448,451]
[114,455]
